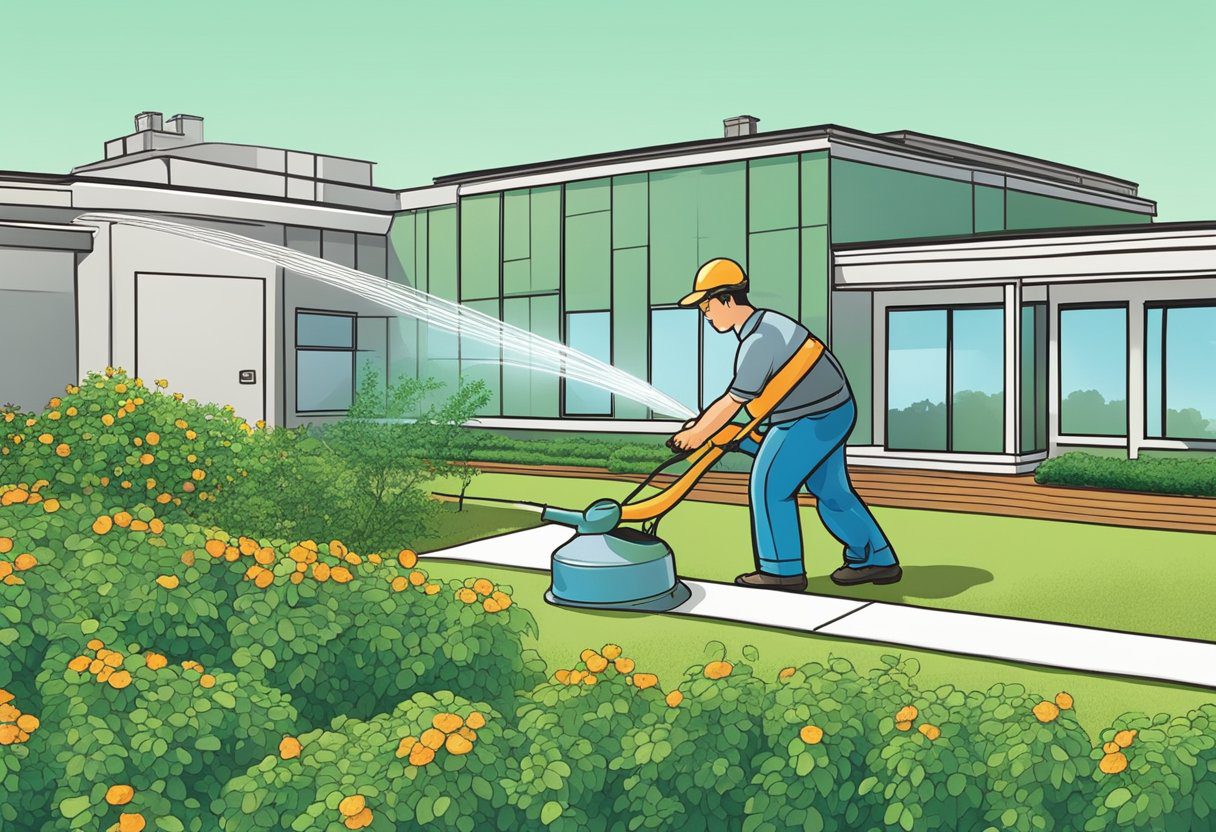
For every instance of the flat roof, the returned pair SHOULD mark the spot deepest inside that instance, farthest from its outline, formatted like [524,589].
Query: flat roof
[68,179]
[905,141]
[1142,228]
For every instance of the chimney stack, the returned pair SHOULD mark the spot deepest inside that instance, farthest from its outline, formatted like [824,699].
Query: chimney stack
[148,120]
[740,126]
[188,127]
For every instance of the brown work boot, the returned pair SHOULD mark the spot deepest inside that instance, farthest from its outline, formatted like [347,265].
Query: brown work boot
[765,580]
[851,576]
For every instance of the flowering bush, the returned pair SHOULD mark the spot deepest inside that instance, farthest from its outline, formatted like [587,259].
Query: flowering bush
[434,760]
[161,673]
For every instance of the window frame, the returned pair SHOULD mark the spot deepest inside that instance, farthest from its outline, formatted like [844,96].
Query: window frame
[1061,308]
[1165,306]
[1041,417]
[353,350]
[886,380]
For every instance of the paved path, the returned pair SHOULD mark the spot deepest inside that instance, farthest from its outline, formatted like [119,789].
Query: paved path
[1064,646]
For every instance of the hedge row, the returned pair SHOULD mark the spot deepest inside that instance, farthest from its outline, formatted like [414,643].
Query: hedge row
[619,457]
[1185,477]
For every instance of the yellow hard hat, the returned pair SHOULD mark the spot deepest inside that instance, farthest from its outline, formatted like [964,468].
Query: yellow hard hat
[716,276]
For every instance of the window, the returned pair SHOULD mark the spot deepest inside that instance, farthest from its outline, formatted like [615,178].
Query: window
[916,380]
[717,361]
[589,333]
[1180,389]
[481,360]
[946,380]
[325,361]
[673,354]
[977,380]
[1093,371]
[1034,378]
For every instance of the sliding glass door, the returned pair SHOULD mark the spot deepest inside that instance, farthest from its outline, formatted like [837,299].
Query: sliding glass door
[946,379]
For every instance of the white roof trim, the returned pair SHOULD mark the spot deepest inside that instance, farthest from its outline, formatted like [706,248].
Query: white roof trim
[125,197]
[1132,256]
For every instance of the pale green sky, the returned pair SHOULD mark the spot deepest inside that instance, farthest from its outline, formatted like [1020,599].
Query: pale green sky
[427,89]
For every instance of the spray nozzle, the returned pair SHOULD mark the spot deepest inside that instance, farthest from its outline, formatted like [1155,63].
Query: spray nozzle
[601,517]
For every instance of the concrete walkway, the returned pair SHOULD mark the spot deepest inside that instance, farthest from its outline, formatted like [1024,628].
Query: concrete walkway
[1062,646]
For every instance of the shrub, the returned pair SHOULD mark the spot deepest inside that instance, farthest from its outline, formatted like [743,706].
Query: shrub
[123,716]
[692,760]
[821,724]
[17,726]
[436,760]
[616,456]
[362,479]
[114,436]
[1155,773]
[1036,757]
[925,767]
[355,634]
[566,769]
[1187,477]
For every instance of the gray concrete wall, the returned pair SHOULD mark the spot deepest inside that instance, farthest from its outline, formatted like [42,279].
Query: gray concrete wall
[38,321]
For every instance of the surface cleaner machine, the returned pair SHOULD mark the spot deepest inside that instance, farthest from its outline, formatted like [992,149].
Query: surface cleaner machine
[608,565]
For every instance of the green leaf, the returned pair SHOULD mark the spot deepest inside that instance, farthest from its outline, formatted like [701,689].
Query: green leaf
[551,812]
[1118,797]
[1009,817]
[956,784]
[73,806]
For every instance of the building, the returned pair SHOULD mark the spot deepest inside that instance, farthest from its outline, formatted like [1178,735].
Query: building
[991,309]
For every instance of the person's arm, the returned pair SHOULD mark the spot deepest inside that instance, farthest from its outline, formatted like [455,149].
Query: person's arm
[713,419]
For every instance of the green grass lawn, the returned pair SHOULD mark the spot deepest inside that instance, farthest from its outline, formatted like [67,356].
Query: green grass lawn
[473,522]
[1099,576]
[668,644]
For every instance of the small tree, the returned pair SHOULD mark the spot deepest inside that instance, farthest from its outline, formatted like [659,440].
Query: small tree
[461,442]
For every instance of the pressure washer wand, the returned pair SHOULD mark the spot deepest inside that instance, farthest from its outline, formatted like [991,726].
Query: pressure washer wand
[520,504]
[601,517]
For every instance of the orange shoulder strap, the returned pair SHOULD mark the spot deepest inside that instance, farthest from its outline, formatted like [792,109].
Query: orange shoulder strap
[704,457]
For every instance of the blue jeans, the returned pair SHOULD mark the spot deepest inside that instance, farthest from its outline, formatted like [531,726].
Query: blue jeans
[809,452]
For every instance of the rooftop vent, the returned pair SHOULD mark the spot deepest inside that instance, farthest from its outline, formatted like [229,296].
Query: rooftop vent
[152,132]
[740,126]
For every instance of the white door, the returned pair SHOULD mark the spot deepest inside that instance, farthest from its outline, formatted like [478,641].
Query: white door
[206,335]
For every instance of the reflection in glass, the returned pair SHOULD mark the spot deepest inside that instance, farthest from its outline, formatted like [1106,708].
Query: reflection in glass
[673,351]
[590,333]
[324,380]
[1180,385]
[916,380]
[717,362]
[977,397]
[1093,372]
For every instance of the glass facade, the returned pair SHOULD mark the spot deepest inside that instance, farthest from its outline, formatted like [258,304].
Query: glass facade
[946,379]
[1093,371]
[1180,387]
[602,261]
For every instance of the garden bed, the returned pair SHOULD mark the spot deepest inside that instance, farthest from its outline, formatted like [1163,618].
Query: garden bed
[161,672]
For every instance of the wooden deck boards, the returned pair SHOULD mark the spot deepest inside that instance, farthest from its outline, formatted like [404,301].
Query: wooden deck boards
[994,494]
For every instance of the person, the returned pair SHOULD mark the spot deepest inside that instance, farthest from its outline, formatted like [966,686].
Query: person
[804,444]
